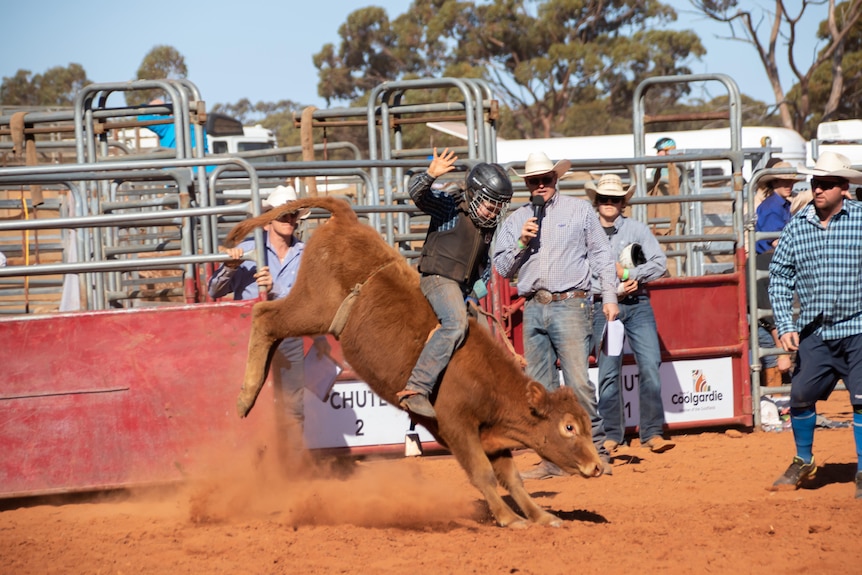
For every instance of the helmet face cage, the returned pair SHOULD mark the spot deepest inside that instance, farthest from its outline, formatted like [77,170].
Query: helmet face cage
[489,190]
[485,211]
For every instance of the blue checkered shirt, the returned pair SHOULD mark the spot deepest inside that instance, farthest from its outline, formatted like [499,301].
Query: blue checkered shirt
[824,266]
[572,244]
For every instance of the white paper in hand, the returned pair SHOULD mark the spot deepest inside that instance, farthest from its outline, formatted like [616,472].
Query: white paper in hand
[320,373]
[612,338]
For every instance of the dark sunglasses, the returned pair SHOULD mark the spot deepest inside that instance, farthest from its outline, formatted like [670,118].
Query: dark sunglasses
[609,199]
[536,180]
[824,184]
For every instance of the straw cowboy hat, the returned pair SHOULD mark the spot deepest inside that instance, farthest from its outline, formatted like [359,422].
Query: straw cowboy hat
[538,163]
[778,166]
[280,196]
[831,164]
[609,185]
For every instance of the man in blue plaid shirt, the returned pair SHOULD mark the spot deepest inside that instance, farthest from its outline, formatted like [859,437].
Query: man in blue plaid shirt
[819,256]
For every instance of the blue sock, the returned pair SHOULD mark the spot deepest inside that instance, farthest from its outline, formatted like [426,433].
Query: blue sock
[802,421]
[857,435]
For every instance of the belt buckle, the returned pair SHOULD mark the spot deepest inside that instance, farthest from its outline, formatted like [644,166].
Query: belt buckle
[543,296]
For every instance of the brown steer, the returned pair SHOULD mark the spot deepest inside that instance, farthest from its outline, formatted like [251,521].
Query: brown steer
[486,405]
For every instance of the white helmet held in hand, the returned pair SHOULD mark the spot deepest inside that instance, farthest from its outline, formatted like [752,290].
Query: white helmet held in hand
[632,256]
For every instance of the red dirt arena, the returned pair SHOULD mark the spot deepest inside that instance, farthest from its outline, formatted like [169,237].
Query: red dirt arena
[702,507]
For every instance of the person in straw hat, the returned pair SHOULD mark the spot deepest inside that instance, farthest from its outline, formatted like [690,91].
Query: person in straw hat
[609,198]
[774,203]
[245,281]
[773,213]
[554,257]
[819,258]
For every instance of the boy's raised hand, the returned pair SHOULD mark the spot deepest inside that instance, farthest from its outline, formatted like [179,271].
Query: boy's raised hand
[443,163]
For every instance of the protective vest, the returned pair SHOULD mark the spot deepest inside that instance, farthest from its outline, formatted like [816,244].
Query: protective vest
[458,253]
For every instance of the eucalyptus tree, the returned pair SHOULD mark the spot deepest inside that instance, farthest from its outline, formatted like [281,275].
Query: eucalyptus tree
[827,83]
[160,63]
[56,86]
[558,65]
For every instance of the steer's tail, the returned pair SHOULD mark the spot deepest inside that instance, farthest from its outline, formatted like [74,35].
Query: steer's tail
[339,209]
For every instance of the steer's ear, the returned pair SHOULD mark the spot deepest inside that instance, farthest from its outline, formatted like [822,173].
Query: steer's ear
[537,399]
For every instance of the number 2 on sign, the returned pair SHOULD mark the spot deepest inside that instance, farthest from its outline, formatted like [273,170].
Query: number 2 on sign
[359,425]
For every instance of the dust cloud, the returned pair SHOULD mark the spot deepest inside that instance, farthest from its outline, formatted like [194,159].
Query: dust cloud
[256,481]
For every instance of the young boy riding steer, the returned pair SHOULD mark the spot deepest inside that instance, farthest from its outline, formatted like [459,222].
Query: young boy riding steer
[454,257]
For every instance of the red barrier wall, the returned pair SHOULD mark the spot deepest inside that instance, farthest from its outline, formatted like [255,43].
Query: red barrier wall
[81,392]
[697,318]
[109,399]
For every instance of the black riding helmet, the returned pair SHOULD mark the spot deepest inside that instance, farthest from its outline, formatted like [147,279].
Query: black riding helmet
[490,187]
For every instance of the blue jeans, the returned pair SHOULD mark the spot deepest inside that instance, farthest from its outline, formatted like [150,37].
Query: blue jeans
[639,322]
[561,330]
[764,339]
[447,300]
[288,379]
[288,383]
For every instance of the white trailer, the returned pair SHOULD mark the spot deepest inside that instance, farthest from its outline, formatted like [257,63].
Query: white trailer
[791,145]
[842,136]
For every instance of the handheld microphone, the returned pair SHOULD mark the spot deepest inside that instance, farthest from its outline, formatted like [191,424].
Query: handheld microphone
[538,208]
[538,212]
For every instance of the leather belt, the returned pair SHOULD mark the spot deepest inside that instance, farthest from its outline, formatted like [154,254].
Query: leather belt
[544,296]
[632,298]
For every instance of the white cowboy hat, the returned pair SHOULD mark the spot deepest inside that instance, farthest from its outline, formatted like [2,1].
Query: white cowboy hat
[609,185]
[280,196]
[538,163]
[834,165]
[781,165]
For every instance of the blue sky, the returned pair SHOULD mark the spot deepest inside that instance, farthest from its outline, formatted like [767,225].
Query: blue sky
[260,49]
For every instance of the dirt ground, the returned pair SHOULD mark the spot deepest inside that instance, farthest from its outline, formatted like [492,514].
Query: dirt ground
[702,507]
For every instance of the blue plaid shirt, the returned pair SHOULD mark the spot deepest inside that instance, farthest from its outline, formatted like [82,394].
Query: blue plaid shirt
[824,266]
[573,243]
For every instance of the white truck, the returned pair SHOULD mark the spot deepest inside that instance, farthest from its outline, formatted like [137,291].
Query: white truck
[225,135]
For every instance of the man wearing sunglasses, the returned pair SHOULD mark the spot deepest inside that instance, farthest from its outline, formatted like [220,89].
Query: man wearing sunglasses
[636,314]
[819,257]
[555,260]
[242,279]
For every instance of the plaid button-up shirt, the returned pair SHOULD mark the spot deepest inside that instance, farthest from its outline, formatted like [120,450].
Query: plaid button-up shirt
[824,266]
[573,245]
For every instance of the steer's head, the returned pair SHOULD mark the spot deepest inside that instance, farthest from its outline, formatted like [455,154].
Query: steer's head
[562,432]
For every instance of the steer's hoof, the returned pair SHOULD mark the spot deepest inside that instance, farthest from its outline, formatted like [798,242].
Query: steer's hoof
[519,524]
[550,520]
